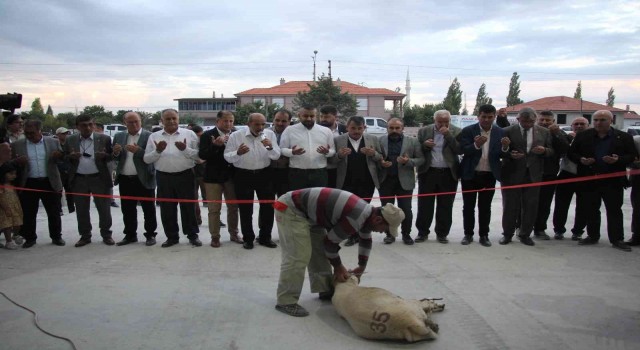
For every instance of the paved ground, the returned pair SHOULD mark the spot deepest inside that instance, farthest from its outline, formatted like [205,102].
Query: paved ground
[555,295]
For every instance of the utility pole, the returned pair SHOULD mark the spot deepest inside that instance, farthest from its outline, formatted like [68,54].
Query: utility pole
[329,69]
[315,52]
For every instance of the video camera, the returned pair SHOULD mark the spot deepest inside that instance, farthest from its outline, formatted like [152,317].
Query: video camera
[10,102]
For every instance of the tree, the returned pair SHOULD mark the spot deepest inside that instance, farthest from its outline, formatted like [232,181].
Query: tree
[36,109]
[49,111]
[242,112]
[611,98]
[453,101]
[465,111]
[119,116]
[324,92]
[513,98]
[578,93]
[482,99]
[99,114]
[190,119]
[68,120]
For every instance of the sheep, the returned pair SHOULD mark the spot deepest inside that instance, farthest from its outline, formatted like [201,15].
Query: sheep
[375,313]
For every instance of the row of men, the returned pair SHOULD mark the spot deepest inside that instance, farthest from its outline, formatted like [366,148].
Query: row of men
[271,162]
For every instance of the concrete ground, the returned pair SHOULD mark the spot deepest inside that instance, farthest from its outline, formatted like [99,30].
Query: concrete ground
[556,295]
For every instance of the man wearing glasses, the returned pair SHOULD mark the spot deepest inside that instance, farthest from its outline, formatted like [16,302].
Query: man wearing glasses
[603,150]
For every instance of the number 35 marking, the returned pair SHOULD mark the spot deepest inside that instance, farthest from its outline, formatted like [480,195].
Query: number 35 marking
[379,320]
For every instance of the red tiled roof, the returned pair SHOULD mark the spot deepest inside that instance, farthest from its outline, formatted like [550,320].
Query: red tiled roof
[562,103]
[631,115]
[293,87]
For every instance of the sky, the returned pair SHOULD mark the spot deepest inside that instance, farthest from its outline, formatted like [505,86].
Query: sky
[141,55]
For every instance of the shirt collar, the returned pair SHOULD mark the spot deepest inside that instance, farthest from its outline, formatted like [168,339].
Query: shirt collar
[88,138]
[37,143]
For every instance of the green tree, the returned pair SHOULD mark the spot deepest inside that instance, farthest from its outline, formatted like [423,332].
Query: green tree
[68,120]
[325,92]
[453,101]
[465,111]
[119,116]
[578,93]
[49,110]
[482,99]
[242,112]
[513,98]
[611,98]
[99,114]
[190,119]
[51,123]
[151,119]
[36,109]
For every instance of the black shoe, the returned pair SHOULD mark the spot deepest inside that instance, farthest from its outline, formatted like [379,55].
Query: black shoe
[406,239]
[195,242]
[83,242]
[621,245]
[325,295]
[59,242]
[526,240]
[421,238]
[467,240]
[505,240]
[389,239]
[222,224]
[484,241]
[29,244]
[150,241]
[443,239]
[541,235]
[558,236]
[576,237]
[126,241]
[268,244]
[351,241]
[588,241]
[108,241]
[247,245]
[168,243]
[114,205]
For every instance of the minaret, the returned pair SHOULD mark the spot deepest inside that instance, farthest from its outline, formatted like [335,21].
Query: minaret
[408,89]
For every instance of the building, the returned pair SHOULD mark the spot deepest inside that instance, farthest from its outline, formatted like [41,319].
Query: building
[205,108]
[567,109]
[371,101]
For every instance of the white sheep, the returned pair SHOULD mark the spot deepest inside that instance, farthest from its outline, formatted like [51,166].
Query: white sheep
[375,313]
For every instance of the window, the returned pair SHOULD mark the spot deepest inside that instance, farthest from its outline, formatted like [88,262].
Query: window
[278,101]
[111,127]
[369,122]
[121,127]
[363,104]
[562,119]
[588,117]
[382,123]
[261,99]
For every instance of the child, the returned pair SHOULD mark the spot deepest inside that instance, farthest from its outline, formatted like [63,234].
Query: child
[10,210]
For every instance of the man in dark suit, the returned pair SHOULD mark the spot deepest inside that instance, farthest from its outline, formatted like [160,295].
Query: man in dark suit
[603,150]
[136,179]
[401,155]
[438,174]
[522,163]
[479,169]
[36,157]
[88,154]
[560,145]
[357,157]
[329,119]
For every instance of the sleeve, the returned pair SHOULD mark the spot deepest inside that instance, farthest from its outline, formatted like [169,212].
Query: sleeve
[150,154]
[191,151]
[285,143]
[417,157]
[467,143]
[231,151]
[332,145]
[274,153]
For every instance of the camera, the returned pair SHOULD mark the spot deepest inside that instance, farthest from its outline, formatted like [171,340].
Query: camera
[11,102]
[85,154]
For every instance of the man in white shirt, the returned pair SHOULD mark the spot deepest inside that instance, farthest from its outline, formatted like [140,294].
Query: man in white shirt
[251,152]
[308,147]
[173,151]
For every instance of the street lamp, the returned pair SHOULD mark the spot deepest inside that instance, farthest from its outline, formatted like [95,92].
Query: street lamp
[315,52]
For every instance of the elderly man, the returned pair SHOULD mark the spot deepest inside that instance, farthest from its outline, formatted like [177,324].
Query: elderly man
[173,151]
[438,174]
[560,145]
[525,146]
[136,179]
[401,155]
[88,154]
[308,147]
[480,168]
[565,191]
[501,119]
[218,177]
[357,157]
[329,119]
[251,152]
[304,217]
[603,150]
[63,167]
[280,167]
[36,157]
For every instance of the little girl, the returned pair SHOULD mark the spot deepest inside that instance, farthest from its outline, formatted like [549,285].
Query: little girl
[10,209]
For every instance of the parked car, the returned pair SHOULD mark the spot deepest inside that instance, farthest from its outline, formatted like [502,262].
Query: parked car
[375,126]
[113,129]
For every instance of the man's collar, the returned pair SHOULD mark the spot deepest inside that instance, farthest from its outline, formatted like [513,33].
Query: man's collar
[136,134]
[87,138]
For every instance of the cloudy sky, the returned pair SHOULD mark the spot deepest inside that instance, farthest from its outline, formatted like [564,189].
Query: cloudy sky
[141,54]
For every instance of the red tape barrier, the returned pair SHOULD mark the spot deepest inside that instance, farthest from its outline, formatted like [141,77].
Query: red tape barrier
[250,201]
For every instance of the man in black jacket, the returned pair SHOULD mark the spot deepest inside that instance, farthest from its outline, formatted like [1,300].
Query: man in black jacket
[603,150]
[218,177]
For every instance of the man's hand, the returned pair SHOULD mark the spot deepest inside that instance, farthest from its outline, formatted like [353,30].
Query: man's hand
[267,143]
[57,154]
[429,143]
[243,149]
[21,160]
[505,141]
[444,130]
[587,161]
[368,151]
[610,159]
[117,149]
[75,154]
[358,271]
[323,149]
[133,148]
[181,145]
[479,141]
[538,150]
[554,129]
[386,163]
[220,140]
[160,146]
[403,159]
[343,152]
[517,155]
[297,151]
[340,274]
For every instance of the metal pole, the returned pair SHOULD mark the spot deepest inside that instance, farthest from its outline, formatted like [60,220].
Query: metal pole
[315,52]
[329,69]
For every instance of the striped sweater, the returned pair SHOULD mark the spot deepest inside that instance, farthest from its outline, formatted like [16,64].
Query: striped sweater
[341,213]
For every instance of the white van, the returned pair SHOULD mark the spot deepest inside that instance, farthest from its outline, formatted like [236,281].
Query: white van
[113,129]
[375,126]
